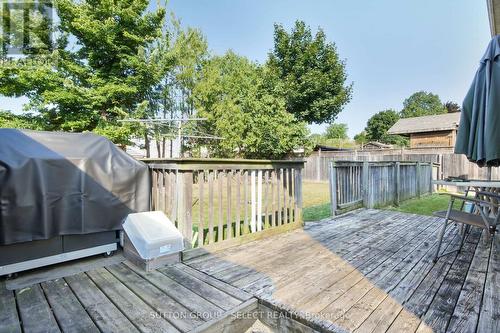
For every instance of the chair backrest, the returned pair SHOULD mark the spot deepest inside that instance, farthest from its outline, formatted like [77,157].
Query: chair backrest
[489,194]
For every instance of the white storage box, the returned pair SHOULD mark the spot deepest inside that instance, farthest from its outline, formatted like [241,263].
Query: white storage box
[153,234]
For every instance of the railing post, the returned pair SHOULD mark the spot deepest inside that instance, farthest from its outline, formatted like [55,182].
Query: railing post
[185,206]
[333,187]
[397,178]
[364,183]
[418,173]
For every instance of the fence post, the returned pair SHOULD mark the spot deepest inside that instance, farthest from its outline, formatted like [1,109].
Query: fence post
[298,193]
[318,166]
[417,166]
[364,183]
[397,168]
[333,187]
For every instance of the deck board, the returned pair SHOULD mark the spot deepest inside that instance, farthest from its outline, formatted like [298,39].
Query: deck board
[156,299]
[103,312]
[371,271]
[367,271]
[489,318]
[9,320]
[121,297]
[181,294]
[68,311]
[35,312]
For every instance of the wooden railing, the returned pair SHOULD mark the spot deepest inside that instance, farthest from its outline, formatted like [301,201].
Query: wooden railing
[375,184]
[218,200]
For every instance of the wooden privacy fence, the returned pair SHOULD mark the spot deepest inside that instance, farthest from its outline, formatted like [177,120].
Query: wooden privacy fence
[218,200]
[448,164]
[375,184]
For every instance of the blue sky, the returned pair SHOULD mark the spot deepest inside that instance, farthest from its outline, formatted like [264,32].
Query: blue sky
[392,48]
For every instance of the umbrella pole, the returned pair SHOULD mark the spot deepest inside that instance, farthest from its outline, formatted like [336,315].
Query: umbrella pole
[489,173]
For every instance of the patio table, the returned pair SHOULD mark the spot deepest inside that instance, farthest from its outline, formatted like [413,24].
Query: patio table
[469,183]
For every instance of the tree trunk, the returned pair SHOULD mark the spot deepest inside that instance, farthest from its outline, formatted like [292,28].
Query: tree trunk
[146,143]
[164,144]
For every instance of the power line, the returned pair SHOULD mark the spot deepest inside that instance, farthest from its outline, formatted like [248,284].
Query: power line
[162,120]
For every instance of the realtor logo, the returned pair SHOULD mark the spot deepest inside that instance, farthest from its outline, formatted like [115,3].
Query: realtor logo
[25,27]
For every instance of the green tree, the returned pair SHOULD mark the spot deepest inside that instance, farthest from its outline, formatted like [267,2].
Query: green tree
[253,123]
[22,121]
[361,138]
[336,131]
[452,107]
[312,75]
[378,125]
[183,51]
[101,68]
[422,104]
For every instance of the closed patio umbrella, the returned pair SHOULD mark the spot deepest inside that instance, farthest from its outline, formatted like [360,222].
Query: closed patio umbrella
[479,131]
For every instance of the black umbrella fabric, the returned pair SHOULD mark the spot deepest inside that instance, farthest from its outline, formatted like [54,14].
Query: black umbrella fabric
[479,132]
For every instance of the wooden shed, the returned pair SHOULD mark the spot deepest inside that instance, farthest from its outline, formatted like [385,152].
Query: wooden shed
[437,131]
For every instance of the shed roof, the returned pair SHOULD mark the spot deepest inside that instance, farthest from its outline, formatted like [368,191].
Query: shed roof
[494,16]
[440,122]
[377,145]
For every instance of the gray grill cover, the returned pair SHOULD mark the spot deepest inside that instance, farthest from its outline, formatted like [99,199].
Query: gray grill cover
[55,183]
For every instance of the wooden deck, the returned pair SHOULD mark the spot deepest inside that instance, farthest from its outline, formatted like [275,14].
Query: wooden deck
[370,271]
[122,298]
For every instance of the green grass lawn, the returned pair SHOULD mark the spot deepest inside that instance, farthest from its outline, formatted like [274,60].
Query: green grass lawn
[426,205]
[317,212]
[316,197]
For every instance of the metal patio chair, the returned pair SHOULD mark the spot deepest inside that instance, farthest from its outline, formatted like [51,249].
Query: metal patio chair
[484,214]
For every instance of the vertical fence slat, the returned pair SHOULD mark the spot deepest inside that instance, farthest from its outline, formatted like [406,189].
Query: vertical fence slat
[266,198]
[154,179]
[166,192]
[278,195]
[238,204]
[285,208]
[211,236]
[220,225]
[397,182]
[175,198]
[291,194]
[201,202]
[333,188]
[273,210]
[253,206]
[271,195]
[417,172]
[259,200]
[229,217]
[245,203]
[298,195]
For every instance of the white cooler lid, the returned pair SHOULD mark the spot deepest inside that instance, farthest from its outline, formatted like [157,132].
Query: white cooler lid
[152,226]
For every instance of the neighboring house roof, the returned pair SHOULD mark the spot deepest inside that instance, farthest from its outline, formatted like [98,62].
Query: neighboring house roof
[377,144]
[494,16]
[329,148]
[440,122]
